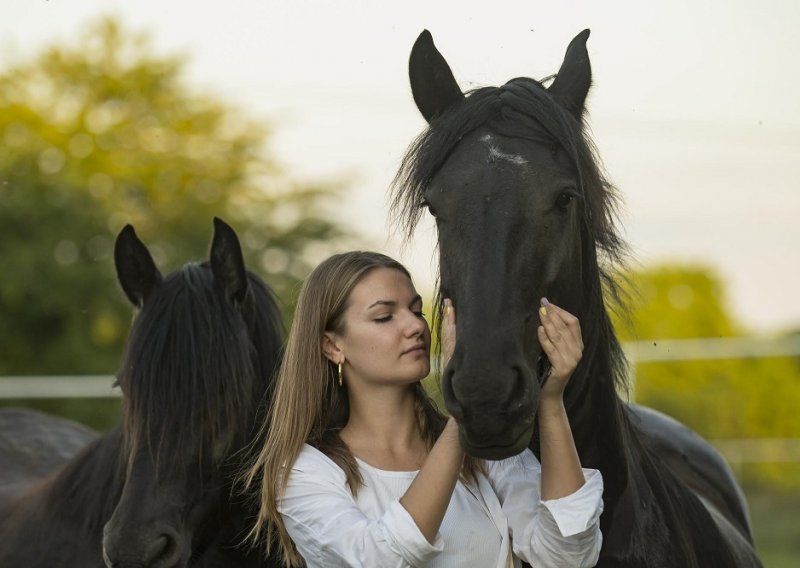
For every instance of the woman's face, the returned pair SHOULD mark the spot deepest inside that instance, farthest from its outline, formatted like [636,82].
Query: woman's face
[385,339]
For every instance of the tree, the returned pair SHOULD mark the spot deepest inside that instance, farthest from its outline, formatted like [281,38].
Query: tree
[102,133]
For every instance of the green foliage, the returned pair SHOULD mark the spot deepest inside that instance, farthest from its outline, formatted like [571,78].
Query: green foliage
[737,398]
[104,133]
[675,302]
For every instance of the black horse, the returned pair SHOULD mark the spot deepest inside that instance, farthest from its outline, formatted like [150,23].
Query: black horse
[523,212]
[157,490]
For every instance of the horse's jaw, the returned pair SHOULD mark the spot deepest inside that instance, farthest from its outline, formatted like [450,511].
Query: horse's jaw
[496,452]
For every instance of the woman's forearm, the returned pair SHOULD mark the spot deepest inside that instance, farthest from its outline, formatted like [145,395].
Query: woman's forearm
[561,467]
[427,498]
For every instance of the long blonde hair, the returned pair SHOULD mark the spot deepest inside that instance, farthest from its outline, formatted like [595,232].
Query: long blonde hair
[308,406]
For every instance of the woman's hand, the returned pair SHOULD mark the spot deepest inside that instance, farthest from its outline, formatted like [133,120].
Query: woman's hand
[448,332]
[560,338]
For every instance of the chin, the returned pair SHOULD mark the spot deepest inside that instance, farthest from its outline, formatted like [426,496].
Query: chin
[495,451]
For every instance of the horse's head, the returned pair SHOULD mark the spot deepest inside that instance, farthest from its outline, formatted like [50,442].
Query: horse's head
[511,182]
[196,369]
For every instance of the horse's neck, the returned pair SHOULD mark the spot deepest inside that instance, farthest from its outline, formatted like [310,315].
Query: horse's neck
[603,438]
[597,415]
[643,522]
[87,488]
[59,521]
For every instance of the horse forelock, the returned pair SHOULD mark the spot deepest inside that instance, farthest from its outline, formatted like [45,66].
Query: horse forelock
[189,372]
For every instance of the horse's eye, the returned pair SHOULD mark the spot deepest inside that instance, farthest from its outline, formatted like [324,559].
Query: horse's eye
[427,205]
[564,199]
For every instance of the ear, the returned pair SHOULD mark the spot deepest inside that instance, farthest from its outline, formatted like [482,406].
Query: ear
[331,349]
[432,82]
[227,262]
[572,83]
[136,271]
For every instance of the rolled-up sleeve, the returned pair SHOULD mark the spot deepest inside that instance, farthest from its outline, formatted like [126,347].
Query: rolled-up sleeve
[559,533]
[328,528]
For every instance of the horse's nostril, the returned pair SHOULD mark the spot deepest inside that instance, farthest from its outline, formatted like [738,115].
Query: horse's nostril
[164,550]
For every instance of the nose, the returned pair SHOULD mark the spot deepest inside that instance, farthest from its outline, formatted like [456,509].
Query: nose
[151,546]
[494,406]
[416,325]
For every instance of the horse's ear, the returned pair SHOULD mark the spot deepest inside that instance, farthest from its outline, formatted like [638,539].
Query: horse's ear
[432,82]
[227,262]
[572,83]
[136,271]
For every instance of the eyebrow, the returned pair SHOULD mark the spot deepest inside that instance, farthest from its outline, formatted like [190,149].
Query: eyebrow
[392,303]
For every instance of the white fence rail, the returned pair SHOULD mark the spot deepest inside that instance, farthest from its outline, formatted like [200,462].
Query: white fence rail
[58,386]
[664,350]
[758,450]
[655,351]
[706,349]
[736,451]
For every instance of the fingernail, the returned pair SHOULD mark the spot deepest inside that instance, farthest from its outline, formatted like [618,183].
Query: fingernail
[545,302]
[543,311]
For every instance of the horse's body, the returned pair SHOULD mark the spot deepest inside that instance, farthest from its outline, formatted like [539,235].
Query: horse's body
[156,491]
[32,446]
[523,212]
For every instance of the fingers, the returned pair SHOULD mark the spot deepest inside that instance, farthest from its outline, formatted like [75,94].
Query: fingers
[560,338]
[560,324]
[448,331]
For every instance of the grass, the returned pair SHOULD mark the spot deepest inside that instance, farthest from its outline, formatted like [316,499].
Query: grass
[775,516]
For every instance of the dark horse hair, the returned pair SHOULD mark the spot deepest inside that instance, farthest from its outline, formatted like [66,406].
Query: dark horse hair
[658,520]
[213,370]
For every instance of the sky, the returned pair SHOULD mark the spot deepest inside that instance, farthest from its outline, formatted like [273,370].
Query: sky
[693,108]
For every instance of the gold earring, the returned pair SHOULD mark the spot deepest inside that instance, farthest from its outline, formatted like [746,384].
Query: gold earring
[340,374]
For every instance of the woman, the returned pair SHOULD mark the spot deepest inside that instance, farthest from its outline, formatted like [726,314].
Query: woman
[377,476]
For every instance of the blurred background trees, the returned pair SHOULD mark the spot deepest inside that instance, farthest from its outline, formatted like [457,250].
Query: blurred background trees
[103,133]
[744,400]
[719,398]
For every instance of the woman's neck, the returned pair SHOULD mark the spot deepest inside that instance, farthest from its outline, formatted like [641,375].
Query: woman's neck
[383,430]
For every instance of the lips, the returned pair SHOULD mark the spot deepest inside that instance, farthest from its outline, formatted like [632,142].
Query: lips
[416,349]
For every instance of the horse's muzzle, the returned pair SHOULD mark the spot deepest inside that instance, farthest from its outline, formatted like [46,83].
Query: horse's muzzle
[495,417]
[499,448]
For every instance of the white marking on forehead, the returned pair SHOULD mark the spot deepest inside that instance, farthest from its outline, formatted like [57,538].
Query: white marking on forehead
[494,152]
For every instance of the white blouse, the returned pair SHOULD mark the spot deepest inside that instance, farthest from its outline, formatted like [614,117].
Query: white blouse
[483,524]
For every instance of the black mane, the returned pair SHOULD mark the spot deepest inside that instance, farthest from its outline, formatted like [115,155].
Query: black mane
[189,365]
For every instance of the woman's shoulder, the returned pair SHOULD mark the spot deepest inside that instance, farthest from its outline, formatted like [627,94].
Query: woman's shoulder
[315,484]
